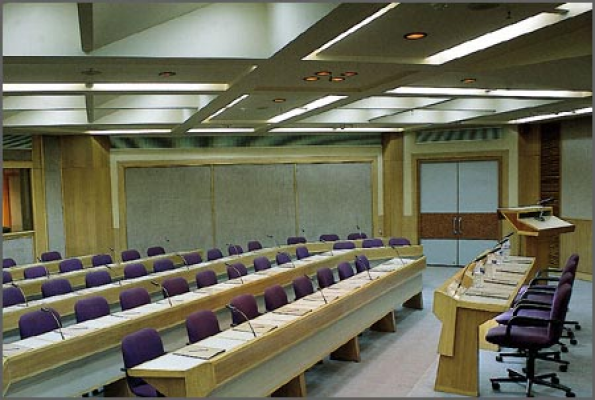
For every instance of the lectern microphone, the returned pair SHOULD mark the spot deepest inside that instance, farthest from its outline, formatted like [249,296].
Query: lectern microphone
[164,291]
[47,310]
[13,284]
[235,309]
[236,270]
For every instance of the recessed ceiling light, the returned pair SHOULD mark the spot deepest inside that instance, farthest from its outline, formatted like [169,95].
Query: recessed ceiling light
[279,100]
[90,72]
[468,80]
[337,78]
[415,35]
[167,74]
[322,73]
[321,102]
[349,73]
[311,78]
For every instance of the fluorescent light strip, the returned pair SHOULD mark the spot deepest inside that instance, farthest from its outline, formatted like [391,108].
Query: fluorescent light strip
[351,30]
[326,129]
[323,101]
[230,105]
[127,131]
[536,118]
[488,92]
[220,130]
[520,28]
[113,87]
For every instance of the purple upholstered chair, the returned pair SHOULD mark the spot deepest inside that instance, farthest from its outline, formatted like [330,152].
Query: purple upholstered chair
[356,236]
[35,272]
[101,259]
[135,270]
[234,249]
[302,252]
[12,295]
[39,322]
[328,237]
[373,242]
[97,278]
[134,297]
[296,240]
[6,277]
[361,263]
[532,335]
[302,286]
[325,277]
[282,258]
[55,287]
[254,245]
[214,254]
[274,297]
[130,254]
[246,303]
[8,262]
[236,270]
[163,265]
[399,241]
[51,256]
[206,278]
[155,251]
[192,258]
[137,348]
[175,286]
[91,308]
[201,325]
[343,245]
[261,263]
[71,264]
[345,271]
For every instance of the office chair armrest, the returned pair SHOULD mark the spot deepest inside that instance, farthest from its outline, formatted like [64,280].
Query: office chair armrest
[525,321]
[529,306]
[546,270]
[542,279]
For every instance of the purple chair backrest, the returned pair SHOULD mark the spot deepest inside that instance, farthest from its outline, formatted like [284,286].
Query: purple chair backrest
[302,286]
[163,265]
[571,264]
[38,322]
[234,249]
[343,245]
[325,277]
[55,287]
[155,251]
[192,258]
[97,278]
[201,324]
[51,256]
[356,236]
[374,242]
[329,237]
[206,278]
[138,347]
[35,272]
[558,311]
[214,254]
[296,239]
[91,308]
[261,263]
[236,270]
[175,286]
[254,245]
[282,258]
[245,303]
[399,241]
[8,262]
[130,254]
[71,264]
[134,271]
[134,297]
[101,259]
[302,252]
[274,297]
[6,277]
[11,296]
[361,263]
[345,271]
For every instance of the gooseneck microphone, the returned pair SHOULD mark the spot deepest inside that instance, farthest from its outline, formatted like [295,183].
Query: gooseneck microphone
[110,268]
[47,272]
[47,310]
[275,240]
[545,201]
[367,270]
[290,260]
[235,309]
[164,290]
[13,284]
[394,247]
[237,272]
[323,296]
[324,241]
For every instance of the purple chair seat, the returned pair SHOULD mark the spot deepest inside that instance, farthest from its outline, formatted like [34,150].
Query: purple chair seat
[296,240]
[101,259]
[69,265]
[254,245]
[192,258]
[155,251]
[206,278]
[8,262]
[343,245]
[51,256]
[130,254]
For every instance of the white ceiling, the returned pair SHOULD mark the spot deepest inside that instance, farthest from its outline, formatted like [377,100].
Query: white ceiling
[264,50]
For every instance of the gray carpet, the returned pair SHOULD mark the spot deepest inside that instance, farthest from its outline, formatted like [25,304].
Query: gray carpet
[403,364]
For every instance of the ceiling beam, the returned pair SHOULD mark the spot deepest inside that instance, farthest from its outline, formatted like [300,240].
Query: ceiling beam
[85,13]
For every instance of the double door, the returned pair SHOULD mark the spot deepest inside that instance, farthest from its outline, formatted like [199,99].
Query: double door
[458,209]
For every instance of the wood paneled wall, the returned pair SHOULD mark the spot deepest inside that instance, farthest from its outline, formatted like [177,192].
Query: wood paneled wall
[580,242]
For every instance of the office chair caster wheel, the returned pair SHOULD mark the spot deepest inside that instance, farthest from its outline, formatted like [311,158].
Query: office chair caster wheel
[555,380]
[495,386]
[564,349]
[577,327]
[573,342]
[570,394]
[563,368]
[557,357]
[499,358]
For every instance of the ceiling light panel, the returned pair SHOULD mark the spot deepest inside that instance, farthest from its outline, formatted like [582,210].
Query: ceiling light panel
[42,103]
[348,116]
[454,91]
[395,102]
[425,116]
[148,101]
[9,88]
[495,104]
[319,103]
[561,114]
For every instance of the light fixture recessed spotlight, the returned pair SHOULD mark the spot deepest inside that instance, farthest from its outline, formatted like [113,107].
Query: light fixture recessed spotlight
[349,73]
[468,80]
[323,73]
[337,78]
[166,74]
[311,78]
[415,35]
[279,100]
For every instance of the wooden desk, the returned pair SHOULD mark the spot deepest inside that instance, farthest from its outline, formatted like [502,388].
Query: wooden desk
[53,267]
[278,358]
[462,314]
[20,366]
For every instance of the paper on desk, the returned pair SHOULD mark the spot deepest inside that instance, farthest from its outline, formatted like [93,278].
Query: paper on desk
[269,271]
[212,289]
[288,310]
[202,352]
[53,336]
[104,322]
[171,362]
[189,296]
[276,318]
[34,342]
[482,292]
[258,328]
[12,349]
[236,335]
[76,330]
[221,342]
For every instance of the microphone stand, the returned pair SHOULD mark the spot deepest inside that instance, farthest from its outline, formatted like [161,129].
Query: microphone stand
[324,241]
[45,309]
[110,268]
[290,260]
[235,309]
[237,272]
[164,291]
[22,292]
[323,296]
[275,240]
[367,270]
[394,247]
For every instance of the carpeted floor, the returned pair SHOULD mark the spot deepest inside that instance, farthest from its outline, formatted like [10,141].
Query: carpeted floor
[403,364]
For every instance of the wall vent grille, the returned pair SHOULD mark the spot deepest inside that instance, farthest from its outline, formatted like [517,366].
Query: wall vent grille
[464,134]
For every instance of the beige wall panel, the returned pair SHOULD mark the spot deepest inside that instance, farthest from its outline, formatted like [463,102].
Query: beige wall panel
[581,242]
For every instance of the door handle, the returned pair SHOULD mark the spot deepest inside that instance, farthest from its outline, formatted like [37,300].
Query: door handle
[460,227]
[454,226]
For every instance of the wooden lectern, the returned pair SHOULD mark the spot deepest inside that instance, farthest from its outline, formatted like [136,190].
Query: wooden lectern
[537,225]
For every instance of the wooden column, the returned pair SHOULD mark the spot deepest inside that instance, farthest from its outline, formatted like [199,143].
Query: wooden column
[392,167]
[40,222]
[86,195]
